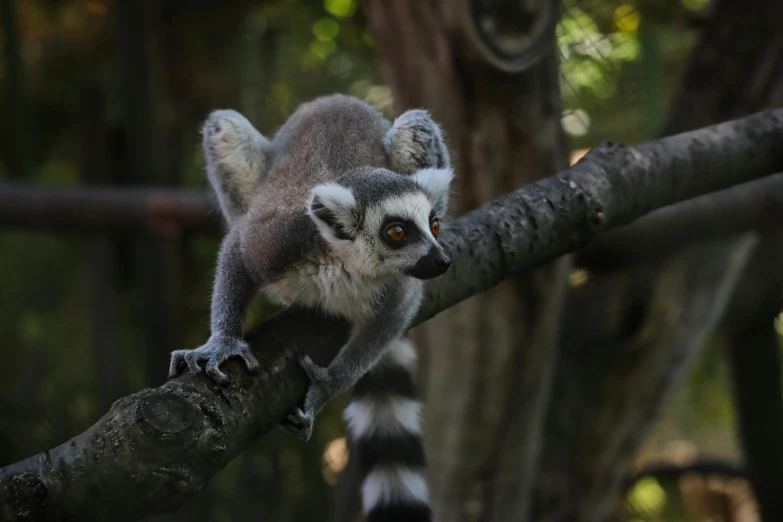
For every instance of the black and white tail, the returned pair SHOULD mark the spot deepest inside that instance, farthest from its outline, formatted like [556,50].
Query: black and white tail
[384,419]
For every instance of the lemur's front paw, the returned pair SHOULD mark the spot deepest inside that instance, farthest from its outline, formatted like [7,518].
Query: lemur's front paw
[213,354]
[320,390]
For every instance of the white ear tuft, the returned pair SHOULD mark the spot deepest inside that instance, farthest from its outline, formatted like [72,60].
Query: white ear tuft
[334,210]
[333,195]
[435,183]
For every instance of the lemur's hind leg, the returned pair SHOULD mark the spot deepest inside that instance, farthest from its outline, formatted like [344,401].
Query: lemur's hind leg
[384,420]
[238,158]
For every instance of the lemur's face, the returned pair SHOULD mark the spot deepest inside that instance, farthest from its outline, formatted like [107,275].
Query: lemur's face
[382,223]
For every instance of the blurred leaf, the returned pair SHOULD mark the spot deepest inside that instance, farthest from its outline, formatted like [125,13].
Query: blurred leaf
[326,29]
[340,8]
[647,497]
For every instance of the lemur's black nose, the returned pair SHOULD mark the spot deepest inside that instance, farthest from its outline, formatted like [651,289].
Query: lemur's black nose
[435,263]
[443,263]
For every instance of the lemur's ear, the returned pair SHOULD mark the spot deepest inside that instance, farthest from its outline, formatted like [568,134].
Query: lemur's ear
[415,142]
[435,183]
[238,158]
[334,210]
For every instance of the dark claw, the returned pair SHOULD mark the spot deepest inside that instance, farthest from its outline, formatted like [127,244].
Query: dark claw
[299,424]
[212,355]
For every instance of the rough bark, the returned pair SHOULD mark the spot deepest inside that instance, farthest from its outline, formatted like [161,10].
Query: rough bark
[155,448]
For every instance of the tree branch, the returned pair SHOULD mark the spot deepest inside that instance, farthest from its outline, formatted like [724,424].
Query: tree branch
[157,447]
[755,205]
[672,472]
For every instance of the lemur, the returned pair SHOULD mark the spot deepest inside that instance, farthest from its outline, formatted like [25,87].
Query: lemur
[340,211]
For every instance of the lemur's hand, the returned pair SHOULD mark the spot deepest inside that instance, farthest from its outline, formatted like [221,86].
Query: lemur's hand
[320,390]
[218,349]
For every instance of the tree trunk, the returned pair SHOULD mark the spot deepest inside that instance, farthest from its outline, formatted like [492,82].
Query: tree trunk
[737,69]
[630,339]
[156,261]
[18,117]
[753,352]
[100,261]
[487,362]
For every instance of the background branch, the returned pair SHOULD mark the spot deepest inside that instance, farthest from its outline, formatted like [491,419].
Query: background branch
[756,205]
[155,448]
[102,209]
[672,471]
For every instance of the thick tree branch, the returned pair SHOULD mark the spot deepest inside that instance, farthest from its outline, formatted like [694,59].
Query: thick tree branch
[155,448]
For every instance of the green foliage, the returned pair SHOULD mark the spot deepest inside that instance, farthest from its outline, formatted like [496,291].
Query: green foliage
[647,497]
[612,76]
[341,8]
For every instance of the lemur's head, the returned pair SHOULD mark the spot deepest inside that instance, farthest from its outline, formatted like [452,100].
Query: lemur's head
[387,221]
[380,222]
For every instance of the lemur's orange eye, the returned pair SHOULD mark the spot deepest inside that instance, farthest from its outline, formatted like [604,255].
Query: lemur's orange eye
[435,227]
[395,233]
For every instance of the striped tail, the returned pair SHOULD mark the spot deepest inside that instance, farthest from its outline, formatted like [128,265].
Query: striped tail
[384,420]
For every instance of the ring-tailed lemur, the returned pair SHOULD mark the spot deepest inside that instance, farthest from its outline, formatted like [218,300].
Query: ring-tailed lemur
[340,211]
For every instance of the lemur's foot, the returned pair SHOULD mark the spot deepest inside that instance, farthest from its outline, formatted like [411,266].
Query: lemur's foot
[213,354]
[299,424]
[320,390]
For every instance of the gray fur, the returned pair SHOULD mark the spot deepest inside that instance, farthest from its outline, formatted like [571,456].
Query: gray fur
[415,142]
[237,160]
[307,214]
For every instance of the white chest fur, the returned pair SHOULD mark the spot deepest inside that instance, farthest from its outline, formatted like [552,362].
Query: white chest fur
[330,288]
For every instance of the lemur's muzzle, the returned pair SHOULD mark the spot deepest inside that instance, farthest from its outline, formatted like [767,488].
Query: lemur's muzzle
[433,264]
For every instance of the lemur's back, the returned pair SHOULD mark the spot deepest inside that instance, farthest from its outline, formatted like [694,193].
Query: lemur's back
[322,140]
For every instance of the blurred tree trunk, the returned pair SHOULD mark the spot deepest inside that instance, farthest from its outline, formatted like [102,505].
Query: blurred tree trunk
[156,258]
[753,350]
[737,69]
[100,261]
[18,113]
[486,363]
